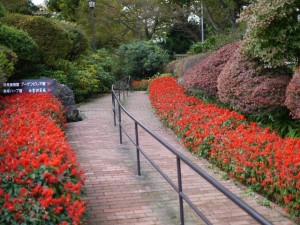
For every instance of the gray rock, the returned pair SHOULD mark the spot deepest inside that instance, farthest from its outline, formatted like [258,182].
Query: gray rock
[66,96]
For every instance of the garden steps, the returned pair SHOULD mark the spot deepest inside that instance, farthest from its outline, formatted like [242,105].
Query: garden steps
[116,195]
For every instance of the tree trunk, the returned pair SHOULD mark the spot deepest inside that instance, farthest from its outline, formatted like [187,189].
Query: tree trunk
[208,15]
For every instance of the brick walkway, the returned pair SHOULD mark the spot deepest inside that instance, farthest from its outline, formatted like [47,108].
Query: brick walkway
[116,195]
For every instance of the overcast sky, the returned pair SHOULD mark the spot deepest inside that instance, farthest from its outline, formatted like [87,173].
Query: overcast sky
[37,2]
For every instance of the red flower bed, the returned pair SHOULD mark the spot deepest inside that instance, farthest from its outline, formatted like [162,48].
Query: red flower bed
[253,155]
[140,85]
[40,182]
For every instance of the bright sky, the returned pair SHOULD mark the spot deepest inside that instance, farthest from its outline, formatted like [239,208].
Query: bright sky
[37,2]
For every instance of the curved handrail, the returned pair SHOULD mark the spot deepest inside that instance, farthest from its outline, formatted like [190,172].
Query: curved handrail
[180,157]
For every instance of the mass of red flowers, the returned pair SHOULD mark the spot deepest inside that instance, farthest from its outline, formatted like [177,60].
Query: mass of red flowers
[251,154]
[140,85]
[40,182]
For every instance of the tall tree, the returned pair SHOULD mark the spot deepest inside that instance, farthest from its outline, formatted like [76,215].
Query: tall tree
[67,8]
[19,6]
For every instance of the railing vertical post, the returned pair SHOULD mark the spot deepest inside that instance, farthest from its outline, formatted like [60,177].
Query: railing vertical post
[137,149]
[180,191]
[119,93]
[128,85]
[114,107]
[123,90]
[120,123]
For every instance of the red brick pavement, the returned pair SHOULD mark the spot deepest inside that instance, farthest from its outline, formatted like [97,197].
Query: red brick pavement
[116,195]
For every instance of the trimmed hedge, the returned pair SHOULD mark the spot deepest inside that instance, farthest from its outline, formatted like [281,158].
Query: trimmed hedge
[292,101]
[18,41]
[53,42]
[250,89]
[205,74]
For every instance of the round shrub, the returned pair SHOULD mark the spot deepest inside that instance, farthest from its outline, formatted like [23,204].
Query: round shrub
[19,42]
[251,89]
[53,42]
[292,101]
[205,74]
[142,59]
[272,36]
[8,60]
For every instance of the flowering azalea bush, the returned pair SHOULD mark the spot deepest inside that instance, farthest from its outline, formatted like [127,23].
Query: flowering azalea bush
[40,182]
[251,154]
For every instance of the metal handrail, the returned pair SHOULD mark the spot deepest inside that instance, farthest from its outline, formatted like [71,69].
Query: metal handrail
[116,93]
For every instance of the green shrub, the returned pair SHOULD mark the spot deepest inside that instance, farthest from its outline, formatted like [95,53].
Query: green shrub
[141,59]
[19,42]
[79,40]
[2,10]
[218,40]
[272,37]
[53,42]
[82,80]
[105,65]
[8,60]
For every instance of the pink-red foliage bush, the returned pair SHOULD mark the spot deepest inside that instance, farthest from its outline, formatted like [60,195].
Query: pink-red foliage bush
[251,89]
[40,182]
[292,101]
[205,74]
[251,154]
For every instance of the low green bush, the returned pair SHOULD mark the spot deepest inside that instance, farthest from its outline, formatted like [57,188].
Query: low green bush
[8,60]
[18,41]
[54,42]
[141,59]
[218,40]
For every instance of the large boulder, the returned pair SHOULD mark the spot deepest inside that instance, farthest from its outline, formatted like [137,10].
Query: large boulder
[292,101]
[66,96]
[251,89]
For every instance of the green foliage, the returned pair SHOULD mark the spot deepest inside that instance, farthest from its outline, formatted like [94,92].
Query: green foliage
[201,47]
[218,40]
[181,37]
[19,42]
[8,60]
[67,8]
[54,43]
[105,65]
[19,6]
[279,121]
[83,81]
[79,40]
[141,59]
[2,10]
[273,34]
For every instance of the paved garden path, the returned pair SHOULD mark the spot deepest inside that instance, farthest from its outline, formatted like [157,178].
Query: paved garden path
[116,195]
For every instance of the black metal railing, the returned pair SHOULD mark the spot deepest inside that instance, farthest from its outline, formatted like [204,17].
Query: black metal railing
[117,111]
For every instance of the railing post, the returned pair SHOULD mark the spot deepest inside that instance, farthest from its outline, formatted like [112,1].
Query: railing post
[180,191]
[114,107]
[120,123]
[137,149]
[123,90]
